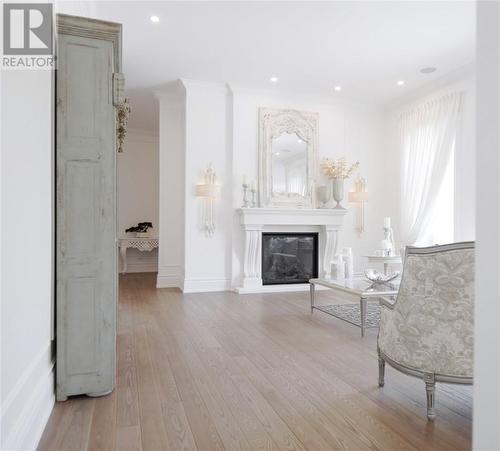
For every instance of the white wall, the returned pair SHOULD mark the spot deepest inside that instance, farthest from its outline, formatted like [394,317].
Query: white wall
[486,435]
[465,188]
[207,259]
[27,391]
[221,127]
[347,130]
[171,186]
[138,193]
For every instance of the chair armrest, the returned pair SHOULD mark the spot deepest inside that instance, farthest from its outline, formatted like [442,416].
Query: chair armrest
[387,302]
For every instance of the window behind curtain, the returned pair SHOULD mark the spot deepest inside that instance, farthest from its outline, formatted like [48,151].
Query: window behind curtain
[441,229]
[428,136]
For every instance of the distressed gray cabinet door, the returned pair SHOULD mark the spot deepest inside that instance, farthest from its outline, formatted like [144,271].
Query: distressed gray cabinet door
[86,217]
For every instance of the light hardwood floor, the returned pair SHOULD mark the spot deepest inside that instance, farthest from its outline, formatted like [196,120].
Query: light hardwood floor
[221,371]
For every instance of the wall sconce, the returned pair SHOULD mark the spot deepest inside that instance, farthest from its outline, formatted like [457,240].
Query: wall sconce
[208,191]
[359,196]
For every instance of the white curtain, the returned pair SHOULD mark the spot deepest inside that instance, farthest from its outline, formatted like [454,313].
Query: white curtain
[428,133]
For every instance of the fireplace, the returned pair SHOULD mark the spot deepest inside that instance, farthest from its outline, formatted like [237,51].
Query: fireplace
[289,257]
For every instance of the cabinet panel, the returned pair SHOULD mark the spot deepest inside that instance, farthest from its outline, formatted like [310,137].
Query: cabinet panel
[82,298]
[83,109]
[86,251]
[82,189]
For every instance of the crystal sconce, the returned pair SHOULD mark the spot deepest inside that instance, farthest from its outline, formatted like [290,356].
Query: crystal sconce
[208,191]
[359,196]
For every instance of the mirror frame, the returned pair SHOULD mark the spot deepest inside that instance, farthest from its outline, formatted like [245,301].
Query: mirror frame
[272,123]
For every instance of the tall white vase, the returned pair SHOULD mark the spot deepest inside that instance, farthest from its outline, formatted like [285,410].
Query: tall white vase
[338,192]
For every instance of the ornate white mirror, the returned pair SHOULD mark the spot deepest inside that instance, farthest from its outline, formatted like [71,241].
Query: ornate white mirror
[287,157]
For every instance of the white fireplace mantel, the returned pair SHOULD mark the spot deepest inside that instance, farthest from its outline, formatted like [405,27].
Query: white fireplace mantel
[254,221]
[278,216]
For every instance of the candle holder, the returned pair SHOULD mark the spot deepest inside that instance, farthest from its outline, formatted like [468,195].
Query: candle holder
[246,202]
[253,191]
[359,196]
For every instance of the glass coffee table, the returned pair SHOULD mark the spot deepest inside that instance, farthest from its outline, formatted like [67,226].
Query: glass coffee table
[357,286]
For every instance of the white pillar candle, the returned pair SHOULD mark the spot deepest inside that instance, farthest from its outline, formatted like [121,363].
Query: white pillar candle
[338,267]
[244,180]
[348,262]
[387,223]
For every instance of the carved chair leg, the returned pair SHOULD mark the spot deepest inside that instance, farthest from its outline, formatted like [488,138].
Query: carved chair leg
[381,371]
[430,388]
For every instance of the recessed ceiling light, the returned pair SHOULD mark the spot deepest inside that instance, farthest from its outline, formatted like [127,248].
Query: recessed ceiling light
[277,154]
[338,88]
[154,19]
[428,70]
[299,141]
[400,83]
[274,79]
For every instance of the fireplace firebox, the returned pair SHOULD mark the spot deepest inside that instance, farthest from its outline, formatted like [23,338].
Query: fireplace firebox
[289,257]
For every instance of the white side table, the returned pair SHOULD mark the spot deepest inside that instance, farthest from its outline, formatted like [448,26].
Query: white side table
[143,244]
[386,260]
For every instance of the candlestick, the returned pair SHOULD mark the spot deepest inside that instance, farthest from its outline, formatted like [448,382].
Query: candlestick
[246,203]
[337,267]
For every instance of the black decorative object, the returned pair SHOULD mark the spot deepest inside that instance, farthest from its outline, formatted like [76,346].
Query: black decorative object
[289,257]
[142,227]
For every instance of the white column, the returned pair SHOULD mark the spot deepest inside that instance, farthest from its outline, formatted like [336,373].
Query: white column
[172,184]
[252,263]
[330,249]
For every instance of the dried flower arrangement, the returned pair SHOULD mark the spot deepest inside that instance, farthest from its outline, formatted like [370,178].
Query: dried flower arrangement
[337,169]
[122,113]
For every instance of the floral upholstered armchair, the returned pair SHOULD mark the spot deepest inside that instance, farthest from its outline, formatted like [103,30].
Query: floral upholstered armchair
[428,331]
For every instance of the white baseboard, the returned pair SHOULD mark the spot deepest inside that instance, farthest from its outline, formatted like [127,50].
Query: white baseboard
[169,276]
[29,404]
[142,267]
[285,288]
[205,285]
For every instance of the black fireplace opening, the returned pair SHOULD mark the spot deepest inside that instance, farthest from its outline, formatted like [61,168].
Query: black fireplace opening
[289,257]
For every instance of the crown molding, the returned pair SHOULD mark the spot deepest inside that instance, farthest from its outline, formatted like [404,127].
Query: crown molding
[202,84]
[173,91]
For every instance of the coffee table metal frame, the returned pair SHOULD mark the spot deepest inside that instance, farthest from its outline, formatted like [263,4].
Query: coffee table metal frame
[355,287]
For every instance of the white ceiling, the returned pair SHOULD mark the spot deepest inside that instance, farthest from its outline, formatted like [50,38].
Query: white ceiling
[311,46]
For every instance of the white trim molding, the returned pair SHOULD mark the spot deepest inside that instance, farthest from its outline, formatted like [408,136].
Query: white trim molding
[205,285]
[27,407]
[141,263]
[170,276]
[286,288]
[192,83]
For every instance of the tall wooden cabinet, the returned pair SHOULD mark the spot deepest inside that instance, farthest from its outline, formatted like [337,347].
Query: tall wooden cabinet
[88,56]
